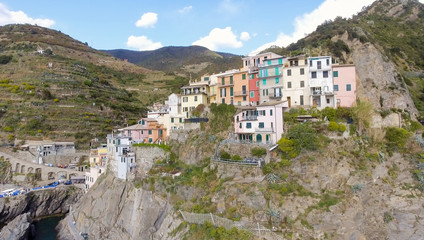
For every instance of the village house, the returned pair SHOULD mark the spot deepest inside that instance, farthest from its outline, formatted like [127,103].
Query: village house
[147,130]
[193,95]
[92,175]
[260,124]
[321,82]
[344,77]
[271,80]
[295,77]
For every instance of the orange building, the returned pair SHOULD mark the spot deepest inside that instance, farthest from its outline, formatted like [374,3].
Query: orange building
[234,87]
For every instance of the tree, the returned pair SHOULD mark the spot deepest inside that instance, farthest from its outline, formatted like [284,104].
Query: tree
[303,136]
[289,148]
[361,114]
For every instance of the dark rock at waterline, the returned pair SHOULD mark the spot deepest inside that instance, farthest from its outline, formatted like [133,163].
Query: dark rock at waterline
[19,228]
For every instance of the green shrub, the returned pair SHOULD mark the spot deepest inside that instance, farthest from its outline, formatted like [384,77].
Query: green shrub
[333,126]
[396,138]
[289,148]
[258,151]
[236,158]
[5,59]
[225,155]
[303,136]
[330,113]
[342,128]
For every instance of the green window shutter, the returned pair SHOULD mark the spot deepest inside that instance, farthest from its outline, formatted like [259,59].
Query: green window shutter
[266,72]
[172,120]
[231,91]
[252,94]
[280,61]
[269,62]
[231,79]
[348,87]
[277,80]
[181,120]
[243,76]
[263,81]
[336,74]
[223,81]
[277,71]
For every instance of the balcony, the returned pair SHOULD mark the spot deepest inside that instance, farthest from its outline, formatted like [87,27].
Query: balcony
[226,85]
[264,130]
[240,94]
[275,95]
[249,118]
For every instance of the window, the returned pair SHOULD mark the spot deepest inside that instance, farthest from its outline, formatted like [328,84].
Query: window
[314,74]
[185,99]
[150,132]
[172,120]
[181,120]
[301,100]
[243,89]
[289,72]
[335,73]
[223,92]
[248,125]
[277,71]
[244,98]
[265,92]
[239,103]
[231,91]
[264,82]
[252,94]
[150,140]
[280,61]
[195,98]
[185,109]
[336,87]
[261,125]
[348,87]
[325,74]
[302,71]
[223,81]
[257,83]
[277,80]
[231,79]
[270,112]
[310,63]
[223,100]
[289,85]
[240,125]
[269,62]
[243,76]
[302,83]
[328,101]
[319,64]
[327,61]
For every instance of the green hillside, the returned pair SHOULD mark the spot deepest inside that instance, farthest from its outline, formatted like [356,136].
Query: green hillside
[192,60]
[52,86]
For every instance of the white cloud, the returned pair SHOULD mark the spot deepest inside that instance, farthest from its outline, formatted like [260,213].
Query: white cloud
[147,20]
[308,22]
[219,38]
[10,17]
[244,36]
[185,10]
[227,6]
[142,43]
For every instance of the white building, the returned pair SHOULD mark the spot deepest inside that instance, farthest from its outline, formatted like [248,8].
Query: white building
[92,176]
[295,77]
[119,147]
[321,82]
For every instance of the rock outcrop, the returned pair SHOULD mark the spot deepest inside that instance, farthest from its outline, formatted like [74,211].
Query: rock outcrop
[115,209]
[39,203]
[18,229]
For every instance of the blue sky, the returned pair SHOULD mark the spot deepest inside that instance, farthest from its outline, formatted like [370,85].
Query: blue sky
[235,26]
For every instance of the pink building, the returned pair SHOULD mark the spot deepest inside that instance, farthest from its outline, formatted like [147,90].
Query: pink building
[147,130]
[260,124]
[344,78]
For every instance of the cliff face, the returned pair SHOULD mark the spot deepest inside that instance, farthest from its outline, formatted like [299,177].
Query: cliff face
[39,203]
[18,229]
[115,209]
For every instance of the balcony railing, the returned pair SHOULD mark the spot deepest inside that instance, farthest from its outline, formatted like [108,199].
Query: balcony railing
[275,95]
[226,85]
[238,94]
[264,130]
[249,118]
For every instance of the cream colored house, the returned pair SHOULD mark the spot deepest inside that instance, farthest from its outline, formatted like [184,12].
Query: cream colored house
[295,82]
[193,95]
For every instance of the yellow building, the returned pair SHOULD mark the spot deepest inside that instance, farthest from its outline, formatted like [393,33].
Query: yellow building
[194,95]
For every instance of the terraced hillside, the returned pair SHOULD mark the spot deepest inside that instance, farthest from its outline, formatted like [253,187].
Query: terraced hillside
[52,86]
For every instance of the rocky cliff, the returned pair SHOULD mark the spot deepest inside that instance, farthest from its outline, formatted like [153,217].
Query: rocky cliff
[39,203]
[116,209]
[19,228]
